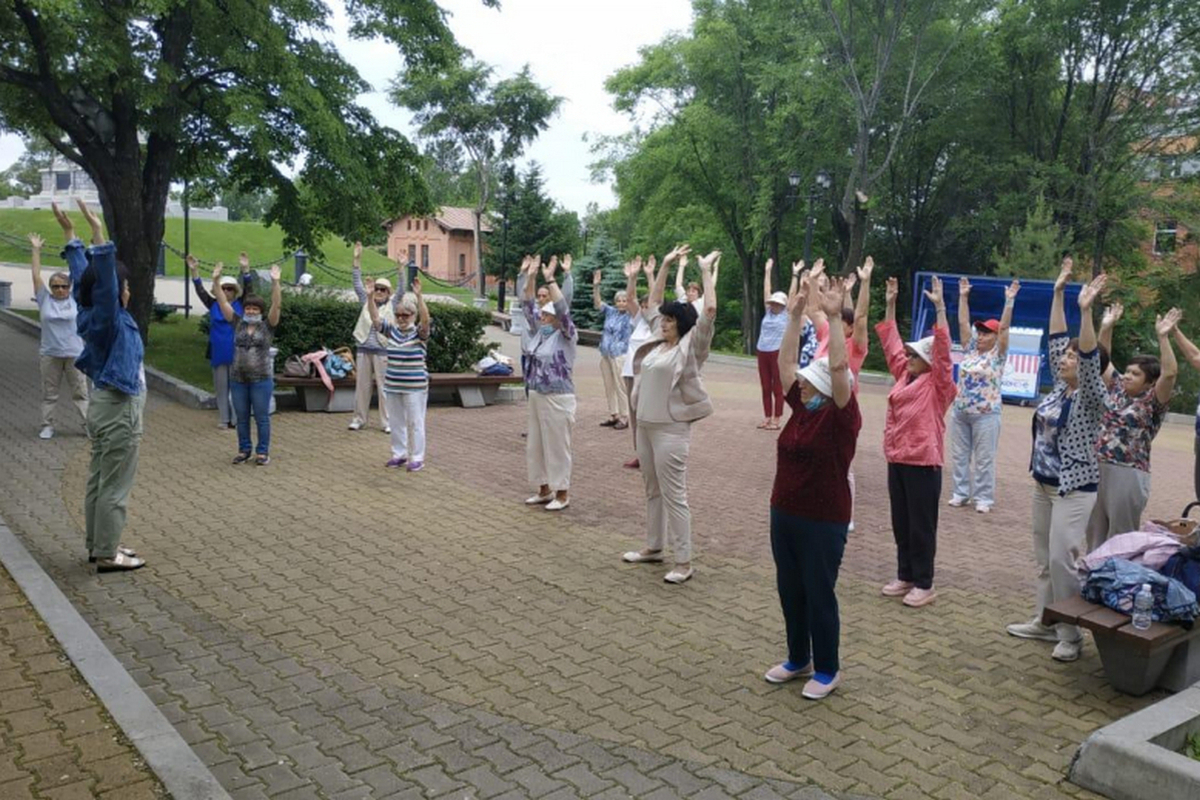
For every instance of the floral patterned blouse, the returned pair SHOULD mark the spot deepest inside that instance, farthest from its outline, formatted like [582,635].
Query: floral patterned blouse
[1129,426]
[552,355]
[979,377]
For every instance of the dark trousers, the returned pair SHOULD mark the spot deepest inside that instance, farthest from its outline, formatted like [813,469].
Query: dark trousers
[915,493]
[808,555]
[772,386]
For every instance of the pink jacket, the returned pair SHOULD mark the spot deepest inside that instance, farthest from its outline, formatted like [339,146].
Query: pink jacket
[916,414]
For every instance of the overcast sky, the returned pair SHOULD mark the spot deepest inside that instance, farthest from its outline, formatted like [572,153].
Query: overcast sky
[571,46]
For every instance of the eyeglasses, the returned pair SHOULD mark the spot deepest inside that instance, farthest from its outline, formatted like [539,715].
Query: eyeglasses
[381,289]
[404,315]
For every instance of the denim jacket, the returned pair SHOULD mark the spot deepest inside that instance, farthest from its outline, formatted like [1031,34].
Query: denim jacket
[112,344]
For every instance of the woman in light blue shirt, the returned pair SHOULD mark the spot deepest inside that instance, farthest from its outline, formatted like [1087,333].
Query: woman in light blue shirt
[618,325]
[770,337]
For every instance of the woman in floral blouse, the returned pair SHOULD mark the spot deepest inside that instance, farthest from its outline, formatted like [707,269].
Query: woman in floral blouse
[975,419]
[1133,412]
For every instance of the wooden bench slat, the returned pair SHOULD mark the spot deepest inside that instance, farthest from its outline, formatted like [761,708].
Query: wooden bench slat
[436,379]
[1069,610]
[1102,618]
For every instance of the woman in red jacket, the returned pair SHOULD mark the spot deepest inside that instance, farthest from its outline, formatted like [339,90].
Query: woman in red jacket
[912,444]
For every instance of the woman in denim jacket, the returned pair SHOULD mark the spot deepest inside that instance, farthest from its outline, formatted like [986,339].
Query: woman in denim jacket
[112,359]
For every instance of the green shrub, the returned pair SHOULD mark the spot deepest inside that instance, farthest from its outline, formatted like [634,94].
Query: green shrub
[162,311]
[456,341]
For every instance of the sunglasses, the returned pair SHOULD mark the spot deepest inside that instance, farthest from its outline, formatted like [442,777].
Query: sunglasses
[229,288]
[382,289]
[59,286]
[404,315]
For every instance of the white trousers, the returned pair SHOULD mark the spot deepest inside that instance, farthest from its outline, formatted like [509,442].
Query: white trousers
[1059,536]
[54,369]
[1122,497]
[548,443]
[369,369]
[662,449]
[614,392]
[406,410]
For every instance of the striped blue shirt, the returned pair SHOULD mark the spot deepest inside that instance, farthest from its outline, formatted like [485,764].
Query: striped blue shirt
[406,370]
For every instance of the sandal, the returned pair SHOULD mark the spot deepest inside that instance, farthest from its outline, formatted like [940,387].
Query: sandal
[120,563]
[128,551]
[241,458]
[261,460]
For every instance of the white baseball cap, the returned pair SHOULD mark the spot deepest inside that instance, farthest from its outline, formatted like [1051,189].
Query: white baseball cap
[817,375]
[548,309]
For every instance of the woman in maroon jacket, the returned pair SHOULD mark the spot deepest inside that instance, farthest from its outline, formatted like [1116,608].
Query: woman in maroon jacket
[810,501]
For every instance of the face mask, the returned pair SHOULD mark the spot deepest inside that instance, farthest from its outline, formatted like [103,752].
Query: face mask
[546,330]
[816,402]
[252,319]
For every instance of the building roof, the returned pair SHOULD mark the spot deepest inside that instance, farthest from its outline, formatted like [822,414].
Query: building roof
[454,218]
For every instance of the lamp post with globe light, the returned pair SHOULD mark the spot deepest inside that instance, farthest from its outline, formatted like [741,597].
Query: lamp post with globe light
[821,183]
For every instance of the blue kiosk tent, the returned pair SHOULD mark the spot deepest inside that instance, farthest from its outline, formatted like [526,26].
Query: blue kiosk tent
[1027,338]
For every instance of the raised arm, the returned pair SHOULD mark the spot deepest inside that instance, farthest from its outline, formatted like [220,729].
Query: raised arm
[568,282]
[1190,351]
[632,306]
[1010,300]
[523,277]
[839,363]
[862,310]
[964,312]
[368,286]
[1165,386]
[276,295]
[93,222]
[1108,322]
[935,296]
[789,349]
[891,292]
[194,268]
[680,289]
[1058,317]
[942,368]
[658,289]
[1087,327]
[770,265]
[708,265]
[35,268]
[815,279]
[356,274]
[596,301]
[218,295]
[422,310]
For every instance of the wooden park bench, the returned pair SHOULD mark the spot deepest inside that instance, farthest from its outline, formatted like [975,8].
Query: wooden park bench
[467,388]
[1163,655]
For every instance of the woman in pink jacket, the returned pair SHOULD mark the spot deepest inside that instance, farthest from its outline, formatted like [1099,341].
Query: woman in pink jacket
[912,444]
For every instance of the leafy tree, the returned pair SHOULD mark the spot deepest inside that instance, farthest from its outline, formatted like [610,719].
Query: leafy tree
[460,104]
[149,93]
[1035,248]
[603,255]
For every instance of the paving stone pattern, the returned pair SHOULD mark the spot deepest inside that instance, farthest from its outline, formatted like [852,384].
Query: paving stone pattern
[56,740]
[323,627]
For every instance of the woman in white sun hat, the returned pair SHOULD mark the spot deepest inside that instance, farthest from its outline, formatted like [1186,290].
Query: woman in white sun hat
[770,336]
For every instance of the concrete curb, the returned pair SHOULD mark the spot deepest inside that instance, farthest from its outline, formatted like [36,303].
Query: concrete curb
[183,393]
[1138,756]
[166,753]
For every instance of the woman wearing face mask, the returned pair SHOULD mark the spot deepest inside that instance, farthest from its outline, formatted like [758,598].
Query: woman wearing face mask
[112,357]
[810,501]
[370,353]
[1064,464]
[406,385]
[912,444]
[253,378]
[614,340]
[530,303]
[1134,409]
[551,394]
[669,396]
[639,335]
[60,342]
[975,420]
[220,333]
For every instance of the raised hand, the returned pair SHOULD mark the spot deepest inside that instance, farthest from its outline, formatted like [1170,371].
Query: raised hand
[848,283]
[193,265]
[934,293]
[218,268]
[244,262]
[36,241]
[64,221]
[831,298]
[92,220]
[276,273]
[769,265]
[536,266]
[649,266]
[566,263]
[892,290]
[797,268]
[1064,273]
[369,286]
[866,270]
[1112,315]
[1010,293]
[630,269]
[357,251]
[964,287]
[818,269]
[416,287]
[596,275]
[707,262]
[796,303]
[549,269]
[1163,325]
[1089,293]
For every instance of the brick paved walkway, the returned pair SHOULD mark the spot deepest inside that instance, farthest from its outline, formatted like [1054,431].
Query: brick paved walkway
[56,740]
[325,628]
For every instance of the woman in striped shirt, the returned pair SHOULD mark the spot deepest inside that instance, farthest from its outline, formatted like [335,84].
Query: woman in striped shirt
[406,380]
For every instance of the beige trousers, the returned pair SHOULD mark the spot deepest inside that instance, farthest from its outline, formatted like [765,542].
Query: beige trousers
[633,411]
[1059,536]
[369,369]
[54,369]
[1124,492]
[614,392]
[662,449]
[548,444]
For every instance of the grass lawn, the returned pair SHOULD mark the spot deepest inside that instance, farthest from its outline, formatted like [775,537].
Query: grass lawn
[176,348]
[210,241]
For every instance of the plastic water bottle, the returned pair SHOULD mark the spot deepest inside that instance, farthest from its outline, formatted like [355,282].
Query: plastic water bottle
[1143,604]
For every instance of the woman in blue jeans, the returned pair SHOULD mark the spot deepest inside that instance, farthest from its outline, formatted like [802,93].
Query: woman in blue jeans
[252,377]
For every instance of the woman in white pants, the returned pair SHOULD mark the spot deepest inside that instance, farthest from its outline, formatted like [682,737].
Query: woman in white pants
[406,379]
[669,396]
[370,359]
[975,418]
[551,368]
[60,344]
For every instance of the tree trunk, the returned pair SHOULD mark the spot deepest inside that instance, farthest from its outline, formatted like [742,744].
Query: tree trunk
[748,305]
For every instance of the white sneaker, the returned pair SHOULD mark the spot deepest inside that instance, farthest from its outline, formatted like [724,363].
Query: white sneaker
[850,527]
[983,508]
[957,502]
[1067,651]
[1034,629]
[355,425]
[558,505]
[678,575]
[387,428]
[46,433]
[539,499]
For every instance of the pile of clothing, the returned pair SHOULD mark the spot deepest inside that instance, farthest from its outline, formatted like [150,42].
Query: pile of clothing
[1113,573]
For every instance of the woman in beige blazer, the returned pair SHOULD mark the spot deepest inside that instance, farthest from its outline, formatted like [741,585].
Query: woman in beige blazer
[669,396]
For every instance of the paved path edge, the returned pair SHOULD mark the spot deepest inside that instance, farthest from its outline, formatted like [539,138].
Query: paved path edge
[170,758]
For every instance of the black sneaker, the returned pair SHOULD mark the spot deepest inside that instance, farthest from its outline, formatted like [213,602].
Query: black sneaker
[241,458]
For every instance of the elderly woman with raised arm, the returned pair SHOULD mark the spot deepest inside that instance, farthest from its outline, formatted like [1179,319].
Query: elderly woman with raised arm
[692,292]
[638,336]
[406,377]
[1134,409]
[370,352]
[112,358]
[811,500]
[912,444]
[669,396]
[614,340]
[532,300]
[975,420]
[220,332]
[1066,471]
[551,393]
[60,343]
[770,336]
[252,375]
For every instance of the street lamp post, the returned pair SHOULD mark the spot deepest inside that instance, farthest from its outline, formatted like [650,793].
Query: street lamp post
[503,261]
[584,226]
[820,184]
